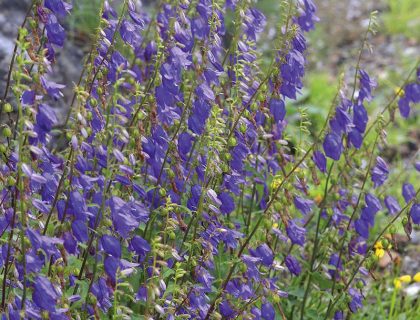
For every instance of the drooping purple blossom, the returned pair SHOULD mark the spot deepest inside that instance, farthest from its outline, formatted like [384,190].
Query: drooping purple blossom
[293,265]
[392,205]
[415,213]
[320,161]
[295,233]
[408,192]
[333,146]
[379,172]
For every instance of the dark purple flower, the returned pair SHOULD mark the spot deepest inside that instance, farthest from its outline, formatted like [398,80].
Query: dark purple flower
[339,315]
[366,86]
[52,88]
[355,138]
[137,19]
[200,113]
[184,143]
[360,117]
[357,300]
[28,98]
[180,58]
[34,262]
[277,109]
[362,228]
[139,245]
[111,245]
[293,265]
[333,146]
[307,16]
[59,7]
[264,253]
[55,32]
[70,243]
[304,205]
[404,106]
[336,264]
[412,92]
[150,50]
[193,201]
[46,117]
[203,91]
[102,293]
[415,213]
[111,266]
[126,216]
[228,204]
[379,172]
[392,205]
[373,202]
[267,311]
[295,233]
[45,296]
[80,230]
[130,33]
[408,192]
[320,161]
[142,294]
[226,310]
[341,123]
[204,277]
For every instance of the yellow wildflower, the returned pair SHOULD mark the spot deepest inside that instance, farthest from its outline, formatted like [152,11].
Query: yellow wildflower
[276,182]
[318,199]
[406,278]
[399,91]
[416,277]
[379,250]
[397,283]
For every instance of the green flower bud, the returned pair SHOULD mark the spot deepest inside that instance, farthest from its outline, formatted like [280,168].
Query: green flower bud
[172,235]
[267,224]
[232,142]
[107,222]
[242,128]
[171,174]
[45,315]
[11,181]
[7,108]
[227,156]
[3,148]
[89,116]
[162,192]
[7,132]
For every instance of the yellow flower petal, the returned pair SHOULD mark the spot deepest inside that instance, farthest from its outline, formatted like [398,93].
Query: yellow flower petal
[378,245]
[405,278]
[399,91]
[397,283]
[379,253]
[416,277]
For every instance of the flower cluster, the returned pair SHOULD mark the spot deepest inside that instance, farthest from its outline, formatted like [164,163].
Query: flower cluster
[178,193]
